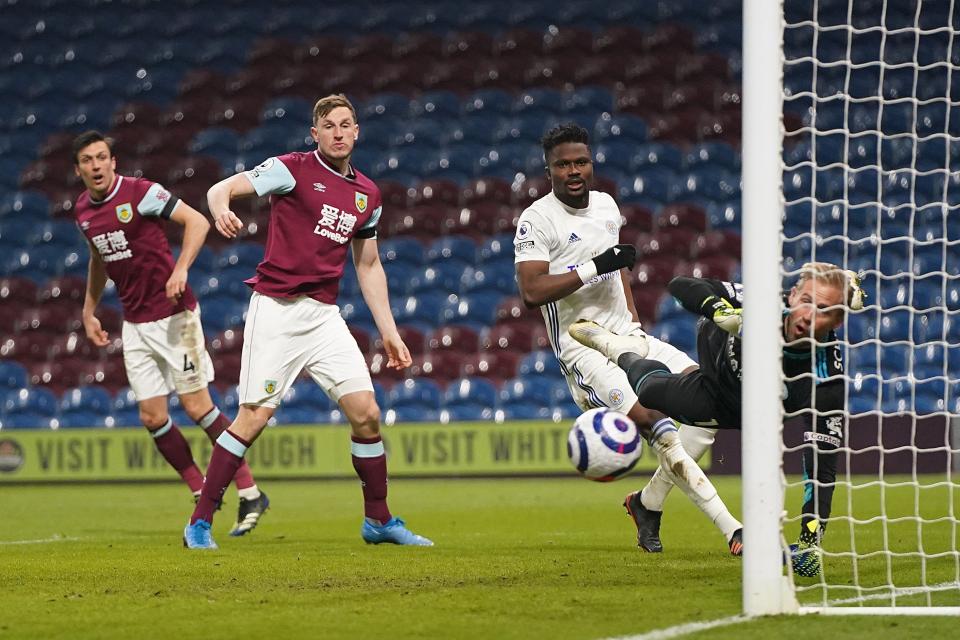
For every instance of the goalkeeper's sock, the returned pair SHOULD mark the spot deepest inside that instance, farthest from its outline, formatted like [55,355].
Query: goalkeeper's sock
[686,474]
[695,441]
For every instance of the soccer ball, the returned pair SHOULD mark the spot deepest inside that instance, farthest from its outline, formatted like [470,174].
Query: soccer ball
[603,445]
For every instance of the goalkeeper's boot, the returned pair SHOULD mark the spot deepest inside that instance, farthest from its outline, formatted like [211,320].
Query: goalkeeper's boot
[647,521]
[736,543]
[197,536]
[806,552]
[249,513]
[591,334]
[394,531]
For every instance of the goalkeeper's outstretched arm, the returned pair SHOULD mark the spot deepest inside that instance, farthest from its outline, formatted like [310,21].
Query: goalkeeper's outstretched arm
[714,300]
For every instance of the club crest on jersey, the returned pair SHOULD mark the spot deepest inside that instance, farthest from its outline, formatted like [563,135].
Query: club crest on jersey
[124,212]
[616,397]
[360,199]
[612,228]
[270,386]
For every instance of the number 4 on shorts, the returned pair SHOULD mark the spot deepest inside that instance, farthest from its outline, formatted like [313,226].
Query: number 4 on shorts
[187,365]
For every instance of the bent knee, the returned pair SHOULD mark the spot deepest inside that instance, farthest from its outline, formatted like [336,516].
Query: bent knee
[153,420]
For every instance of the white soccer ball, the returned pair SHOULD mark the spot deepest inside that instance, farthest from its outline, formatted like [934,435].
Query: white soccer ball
[604,444]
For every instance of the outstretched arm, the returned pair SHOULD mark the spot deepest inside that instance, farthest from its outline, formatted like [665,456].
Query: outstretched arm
[194,233]
[539,287]
[710,299]
[219,197]
[96,281]
[373,285]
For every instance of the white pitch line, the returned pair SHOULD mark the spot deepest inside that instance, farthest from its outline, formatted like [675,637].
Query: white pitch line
[692,627]
[41,540]
[684,629]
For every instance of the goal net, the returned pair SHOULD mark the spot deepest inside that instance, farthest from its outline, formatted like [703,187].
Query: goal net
[869,143]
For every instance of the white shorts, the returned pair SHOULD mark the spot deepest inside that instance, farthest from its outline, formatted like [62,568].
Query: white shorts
[594,381]
[166,355]
[284,336]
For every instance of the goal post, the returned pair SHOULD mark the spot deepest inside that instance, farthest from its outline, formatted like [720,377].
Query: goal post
[765,590]
[851,155]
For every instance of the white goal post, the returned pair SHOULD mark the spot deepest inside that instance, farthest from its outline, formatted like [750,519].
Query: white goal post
[869,171]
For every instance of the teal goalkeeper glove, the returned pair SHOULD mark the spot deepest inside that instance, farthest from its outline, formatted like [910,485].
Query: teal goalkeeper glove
[724,315]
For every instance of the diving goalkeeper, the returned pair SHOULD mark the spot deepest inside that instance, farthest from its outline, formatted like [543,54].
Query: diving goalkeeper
[709,397]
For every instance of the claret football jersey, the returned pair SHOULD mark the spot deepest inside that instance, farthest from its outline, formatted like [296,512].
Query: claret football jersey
[315,211]
[126,230]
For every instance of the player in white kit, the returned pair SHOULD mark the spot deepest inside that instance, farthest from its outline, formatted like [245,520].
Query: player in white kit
[570,265]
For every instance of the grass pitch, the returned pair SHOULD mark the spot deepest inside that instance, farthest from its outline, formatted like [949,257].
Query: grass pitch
[514,559]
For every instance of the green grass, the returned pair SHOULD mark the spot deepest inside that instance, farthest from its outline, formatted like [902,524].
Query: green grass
[514,559]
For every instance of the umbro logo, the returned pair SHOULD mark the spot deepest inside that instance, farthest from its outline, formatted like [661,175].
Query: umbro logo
[319,186]
[85,225]
[573,238]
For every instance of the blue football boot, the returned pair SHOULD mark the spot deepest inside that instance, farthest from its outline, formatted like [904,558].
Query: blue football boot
[394,531]
[197,536]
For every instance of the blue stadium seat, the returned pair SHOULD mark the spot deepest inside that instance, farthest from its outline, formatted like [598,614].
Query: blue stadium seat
[525,410]
[470,391]
[542,363]
[588,100]
[620,126]
[412,413]
[863,395]
[652,184]
[419,309]
[13,375]
[894,325]
[29,205]
[401,250]
[474,309]
[466,413]
[497,278]
[307,394]
[680,331]
[894,360]
[30,400]
[84,419]
[89,399]
[669,307]
[716,154]
[26,420]
[897,396]
[496,249]
[653,155]
[452,248]
[245,255]
[928,327]
[724,215]
[862,359]
[441,277]
[421,393]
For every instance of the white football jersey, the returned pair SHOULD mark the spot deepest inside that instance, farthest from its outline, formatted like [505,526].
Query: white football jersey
[551,231]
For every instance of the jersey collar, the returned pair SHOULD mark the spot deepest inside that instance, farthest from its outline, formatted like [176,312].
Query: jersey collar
[351,174]
[571,210]
[116,187]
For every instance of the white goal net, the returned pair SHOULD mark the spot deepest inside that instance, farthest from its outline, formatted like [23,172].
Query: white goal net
[870,163]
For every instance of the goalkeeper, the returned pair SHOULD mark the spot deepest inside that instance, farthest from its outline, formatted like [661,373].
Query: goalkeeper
[709,397]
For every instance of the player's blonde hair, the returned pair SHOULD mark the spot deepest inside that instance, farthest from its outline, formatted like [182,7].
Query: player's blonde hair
[843,279]
[328,103]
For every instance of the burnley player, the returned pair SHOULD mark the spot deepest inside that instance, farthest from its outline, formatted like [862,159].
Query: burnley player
[569,263]
[711,394]
[320,207]
[163,351]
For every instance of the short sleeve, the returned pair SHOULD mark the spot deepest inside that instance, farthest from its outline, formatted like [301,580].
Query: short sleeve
[157,202]
[369,229]
[271,177]
[532,238]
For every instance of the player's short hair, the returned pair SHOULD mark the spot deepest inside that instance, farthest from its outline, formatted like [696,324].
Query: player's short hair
[843,279]
[328,103]
[87,138]
[566,132]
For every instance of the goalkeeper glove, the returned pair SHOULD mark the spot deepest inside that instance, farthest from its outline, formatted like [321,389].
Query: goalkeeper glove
[723,314]
[613,259]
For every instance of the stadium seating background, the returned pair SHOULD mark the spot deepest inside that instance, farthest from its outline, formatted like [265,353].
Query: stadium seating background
[452,101]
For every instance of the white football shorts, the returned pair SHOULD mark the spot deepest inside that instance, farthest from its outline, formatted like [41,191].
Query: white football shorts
[166,355]
[283,336]
[594,381]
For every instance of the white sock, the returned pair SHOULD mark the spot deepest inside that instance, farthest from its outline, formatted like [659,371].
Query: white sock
[250,493]
[686,474]
[695,441]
